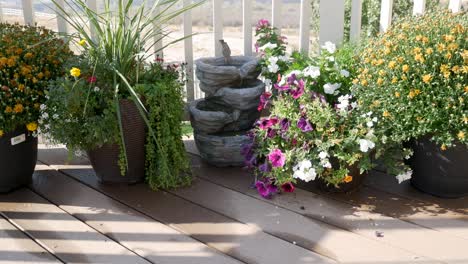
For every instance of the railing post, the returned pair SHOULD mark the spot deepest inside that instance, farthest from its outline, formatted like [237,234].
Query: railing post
[419,7]
[28,12]
[331,21]
[455,5]
[356,16]
[93,6]
[158,38]
[188,48]
[386,15]
[61,22]
[276,14]
[218,26]
[247,26]
[304,35]
[1,12]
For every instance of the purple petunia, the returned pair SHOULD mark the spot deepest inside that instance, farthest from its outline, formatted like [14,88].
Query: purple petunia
[299,90]
[285,123]
[263,23]
[266,188]
[265,167]
[281,88]
[263,101]
[304,125]
[277,158]
[287,187]
[266,123]
[271,133]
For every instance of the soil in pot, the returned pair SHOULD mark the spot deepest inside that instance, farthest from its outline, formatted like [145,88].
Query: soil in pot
[443,173]
[105,159]
[18,157]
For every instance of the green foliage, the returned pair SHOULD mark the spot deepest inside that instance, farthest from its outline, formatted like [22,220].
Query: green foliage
[29,58]
[166,161]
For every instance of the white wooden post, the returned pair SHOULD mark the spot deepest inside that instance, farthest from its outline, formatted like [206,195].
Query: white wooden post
[276,14]
[419,7]
[247,26]
[331,21]
[218,26]
[304,35]
[356,16]
[386,15]
[188,48]
[1,12]
[93,6]
[455,5]
[28,12]
[158,40]
[61,22]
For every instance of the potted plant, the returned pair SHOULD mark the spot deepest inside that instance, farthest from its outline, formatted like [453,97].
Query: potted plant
[414,77]
[101,107]
[29,58]
[313,131]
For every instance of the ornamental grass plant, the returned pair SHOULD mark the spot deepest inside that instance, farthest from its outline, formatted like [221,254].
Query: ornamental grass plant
[29,58]
[415,79]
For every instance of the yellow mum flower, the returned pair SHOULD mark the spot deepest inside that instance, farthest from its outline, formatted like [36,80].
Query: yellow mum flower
[417,50]
[448,38]
[82,42]
[364,82]
[32,126]
[1,133]
[355,81]
[461,135]
[405,68]
[440,47]
[400,59]
[429,51]
[419,57]
[397,94]
[348,179]
[443,147]
[8,109]
[75,72]
[448,55]
[466,89]
[444,67]
[380,81]
[21,87]
[417,92]
[456,69]
[411,95]
[18,108]
[386,114]
[427,78]
[394,80]
[452,46]
[392,64]
[28,55]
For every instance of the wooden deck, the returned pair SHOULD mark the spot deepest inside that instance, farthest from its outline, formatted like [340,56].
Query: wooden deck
[66,216]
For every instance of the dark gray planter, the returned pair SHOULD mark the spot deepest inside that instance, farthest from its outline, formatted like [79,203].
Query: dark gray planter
[105,158]
[440,173]
[17,159]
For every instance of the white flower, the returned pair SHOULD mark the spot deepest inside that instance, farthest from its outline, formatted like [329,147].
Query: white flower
[331,58]
[370,124]
[273,60]
[269,45]
[267,82]
[343,102]
[404,176]
[375,119]
[365,145]
[354,105]
[96,89]
[344,73]
[43,107]
[47,126]
[283,58]
[323,155]
[326,164]
[369,113]
[331,88]
[273,68]
[312,71]
[55,116]
[45,115]
[330,47]
[304,171]
[67,120]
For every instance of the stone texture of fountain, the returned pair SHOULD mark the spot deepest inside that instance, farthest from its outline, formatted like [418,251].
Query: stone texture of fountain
[228,111]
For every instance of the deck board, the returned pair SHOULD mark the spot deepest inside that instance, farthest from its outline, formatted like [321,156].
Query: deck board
[238,240]
[16,247]
[66,237]
[408,236]
[153,240]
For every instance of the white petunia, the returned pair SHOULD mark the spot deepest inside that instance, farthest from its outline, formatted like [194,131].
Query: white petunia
[354,105]
[365,145]
[267,82]
[370,124]
[96,89]
[45,115]
[330,47]
[331,88]
[344,73]
[43,107]
[269,45]
[326,164]
[312,71]
[323,155]
[55,116]
[331,58]
[375,119]
[404,176]
[304,171]
[273,68]
[343,102]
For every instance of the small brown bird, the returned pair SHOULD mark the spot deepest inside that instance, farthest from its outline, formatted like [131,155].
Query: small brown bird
[226,51]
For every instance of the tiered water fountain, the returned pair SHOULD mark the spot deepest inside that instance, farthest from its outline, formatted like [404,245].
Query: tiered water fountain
[229,109]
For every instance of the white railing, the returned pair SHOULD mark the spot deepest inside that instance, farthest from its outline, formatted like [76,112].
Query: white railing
[331,24]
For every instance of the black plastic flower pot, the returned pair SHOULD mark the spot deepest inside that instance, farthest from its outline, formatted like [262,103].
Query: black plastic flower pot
[443,173]
[18,157]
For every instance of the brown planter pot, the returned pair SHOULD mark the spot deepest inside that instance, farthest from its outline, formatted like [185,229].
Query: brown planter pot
[18,159]
[105,159]
[344,187]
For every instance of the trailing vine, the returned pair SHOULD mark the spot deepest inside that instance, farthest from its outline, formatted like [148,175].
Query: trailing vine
[167,165]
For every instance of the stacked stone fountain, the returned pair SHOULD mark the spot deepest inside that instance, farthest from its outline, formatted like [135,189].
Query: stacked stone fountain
[229,109]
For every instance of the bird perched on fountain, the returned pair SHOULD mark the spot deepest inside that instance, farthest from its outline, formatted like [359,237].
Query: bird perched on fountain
[226,51]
